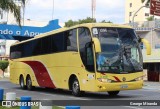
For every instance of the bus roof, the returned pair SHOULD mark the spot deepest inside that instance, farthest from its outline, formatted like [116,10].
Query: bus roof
[89,25]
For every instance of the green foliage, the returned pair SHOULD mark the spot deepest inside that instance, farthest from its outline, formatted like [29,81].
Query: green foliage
[70,22]
[151,18]
[142,1]
[3,65]
[9,5]
[103,21]
[145,0]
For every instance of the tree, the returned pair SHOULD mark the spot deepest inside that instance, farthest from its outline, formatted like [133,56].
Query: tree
[148,1]
[151,18]
[3,65]
[104,21]
[9,5]
[70,22]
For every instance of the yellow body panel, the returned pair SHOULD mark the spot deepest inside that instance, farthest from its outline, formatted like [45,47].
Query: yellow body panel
[61,69]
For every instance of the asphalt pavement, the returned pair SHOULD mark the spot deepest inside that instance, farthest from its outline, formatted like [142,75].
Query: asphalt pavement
[150,91]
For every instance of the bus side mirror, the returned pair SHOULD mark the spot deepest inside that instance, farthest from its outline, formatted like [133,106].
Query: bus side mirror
[97,44]
[148,47]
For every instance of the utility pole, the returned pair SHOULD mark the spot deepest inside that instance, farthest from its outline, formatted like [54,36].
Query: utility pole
[135,14]
[93,7]
[52,9]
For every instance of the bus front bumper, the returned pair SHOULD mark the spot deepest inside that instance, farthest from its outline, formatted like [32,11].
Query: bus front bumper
[103,87]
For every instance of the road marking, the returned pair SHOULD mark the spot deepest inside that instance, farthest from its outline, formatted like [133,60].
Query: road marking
[5,88]
[72,97]
[130,94]
[132,107]
[151,88]
[65,96]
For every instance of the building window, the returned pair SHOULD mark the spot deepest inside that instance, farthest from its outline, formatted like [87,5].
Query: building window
[146,14]
[130,13]
[157,46]
[130,5]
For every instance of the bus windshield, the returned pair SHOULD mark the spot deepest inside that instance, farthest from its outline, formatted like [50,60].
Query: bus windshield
[120,50]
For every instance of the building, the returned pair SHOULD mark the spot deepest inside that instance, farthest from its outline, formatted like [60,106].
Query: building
[10,32]
[131,6]
[149,30]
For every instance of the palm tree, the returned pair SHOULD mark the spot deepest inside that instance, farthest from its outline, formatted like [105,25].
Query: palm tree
[9,5]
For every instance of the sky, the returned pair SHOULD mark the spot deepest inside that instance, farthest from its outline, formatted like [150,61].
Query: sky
[64,10]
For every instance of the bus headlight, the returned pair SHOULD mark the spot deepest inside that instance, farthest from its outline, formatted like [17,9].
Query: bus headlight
[104,80]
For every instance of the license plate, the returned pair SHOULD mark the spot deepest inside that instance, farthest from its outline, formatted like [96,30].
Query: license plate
[124,86]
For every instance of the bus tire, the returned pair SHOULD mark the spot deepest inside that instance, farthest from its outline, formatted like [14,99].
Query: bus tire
[29,83]
[76,88]
[113,93]
[21,82]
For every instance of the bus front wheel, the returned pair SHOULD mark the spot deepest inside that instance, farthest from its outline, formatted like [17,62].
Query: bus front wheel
[113,93]
[29,83]
[76,88]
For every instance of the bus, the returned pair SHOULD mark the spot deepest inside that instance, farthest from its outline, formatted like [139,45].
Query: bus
[92,57]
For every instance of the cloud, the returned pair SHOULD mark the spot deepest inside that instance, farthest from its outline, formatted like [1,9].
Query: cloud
[74,9]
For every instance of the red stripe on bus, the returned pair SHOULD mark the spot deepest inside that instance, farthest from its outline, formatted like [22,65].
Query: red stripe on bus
[117,79]
[41,73]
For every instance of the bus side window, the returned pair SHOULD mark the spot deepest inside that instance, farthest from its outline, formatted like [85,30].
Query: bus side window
[71,40]
[36,47]
[85,48]
[16,51]
[58,44]
[89,57]
[46,45]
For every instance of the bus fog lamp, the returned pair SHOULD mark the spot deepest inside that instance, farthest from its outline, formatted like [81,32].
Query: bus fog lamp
[104,80]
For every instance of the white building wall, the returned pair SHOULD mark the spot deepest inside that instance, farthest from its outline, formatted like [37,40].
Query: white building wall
[131,6]
[8,44]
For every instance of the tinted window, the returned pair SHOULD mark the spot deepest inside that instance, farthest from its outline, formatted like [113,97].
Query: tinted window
[27,49]
[85,48]
[71,40]
[46,45]
[58,43]
[36,47]
[51,44]
[16,51]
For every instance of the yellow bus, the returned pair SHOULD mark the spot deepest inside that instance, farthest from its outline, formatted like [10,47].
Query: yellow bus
[94,57]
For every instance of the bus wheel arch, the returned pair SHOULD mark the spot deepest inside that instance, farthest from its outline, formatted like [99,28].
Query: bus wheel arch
[71,79]
[29,82]
[75,86]
[21,82]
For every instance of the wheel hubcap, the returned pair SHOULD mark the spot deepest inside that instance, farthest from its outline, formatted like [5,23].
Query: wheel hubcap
[29,83]
[22,84]
[75,87]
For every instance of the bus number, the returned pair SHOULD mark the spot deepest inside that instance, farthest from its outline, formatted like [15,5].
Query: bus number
[103,30]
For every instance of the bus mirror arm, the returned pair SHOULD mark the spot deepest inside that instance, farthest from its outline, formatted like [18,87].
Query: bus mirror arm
[97,44]
[147,44]
[139,39]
